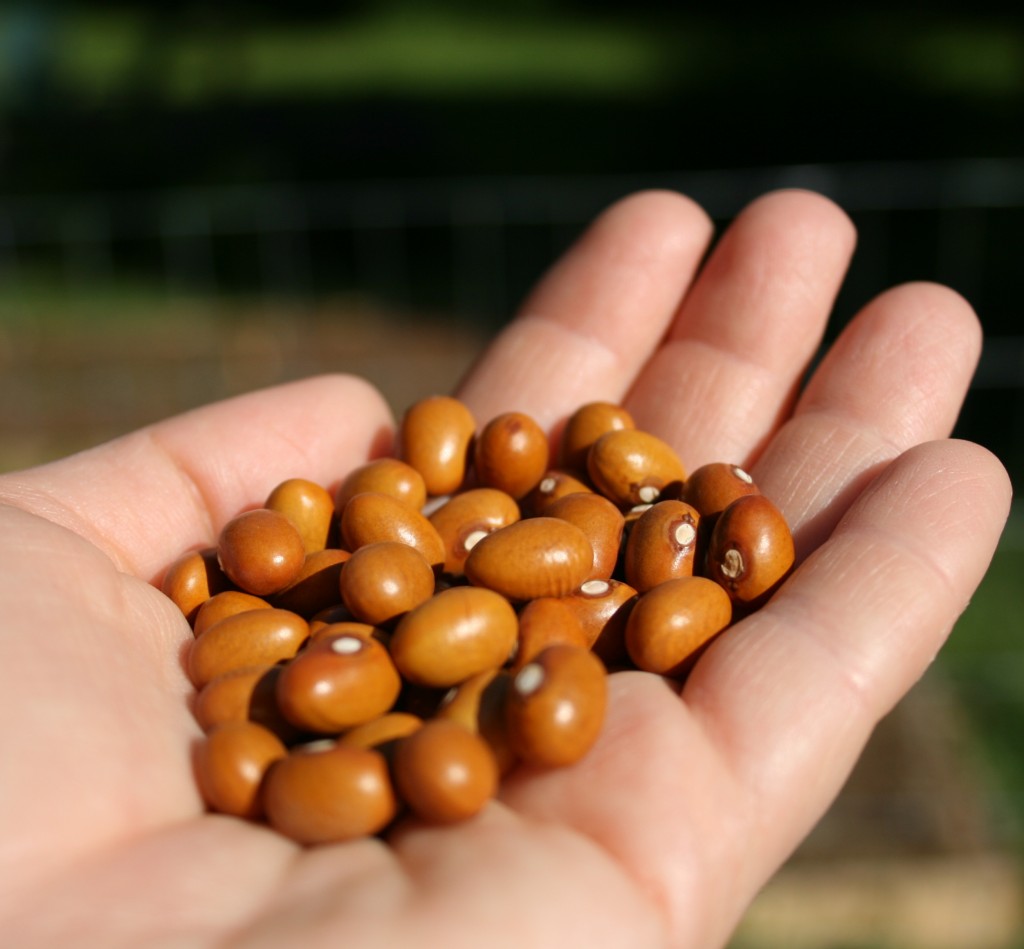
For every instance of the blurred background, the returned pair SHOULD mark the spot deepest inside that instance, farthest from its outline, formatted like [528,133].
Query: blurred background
[197,199]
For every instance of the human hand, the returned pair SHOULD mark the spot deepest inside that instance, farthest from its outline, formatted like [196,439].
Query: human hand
[688,803]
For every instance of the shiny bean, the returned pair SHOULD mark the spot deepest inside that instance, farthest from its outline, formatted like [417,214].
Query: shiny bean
[346,627]
[192,579]
[370,518]
[600,520]
[444,772]
[309,506]
[456,634]
[381,731]
[543,622]
[555,708]
[630,466]
[316,587]
[662,545]
[712,487]
[479,705]
[555,484]
[538,556]
[231,763]
[244,695]
[381,582]
[261,551]
[252,638]
[750,551]
[511,454]
[467,518]
[383,476]
[602,608]
[224,604]
[327,792]
[435,437]
[670,625]
[585,426]
[337,683]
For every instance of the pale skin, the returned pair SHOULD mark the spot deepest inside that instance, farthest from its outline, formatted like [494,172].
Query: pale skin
[690,801]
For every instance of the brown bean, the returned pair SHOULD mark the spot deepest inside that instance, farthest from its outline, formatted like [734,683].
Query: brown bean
[467,517]
[223,604]
[662,545]
[230,764]
[381,731]
[479,705]
[246,639]
[600,520]
[671,624]
[347,627]
[317,587]
[261,551]
[555,708]
[630,466]
[383,476]
[381,582]
[542,623]
[712,487]
[370,518]
[337,683]
[602,608]
[192,579]
[511,454]
[585,426]
[244,695]
[435,437]
[444,772]
[555,484]
[328,792]
[309,506]
[454,635]
[750,551]
[538,556]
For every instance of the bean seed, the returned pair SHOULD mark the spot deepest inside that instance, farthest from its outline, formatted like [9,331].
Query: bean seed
[383,581]
[467,517]
[231,763]
[309,506]
[511,454]
[435,437]
[632,467]
[600,520]
[586,425]
[261,551]
[192,579]
[369,518]
[224,604]
[662,545]
[383,476]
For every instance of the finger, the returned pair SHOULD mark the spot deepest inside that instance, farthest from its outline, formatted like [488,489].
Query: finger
[148,496]
[727,372]
[896,376]
[790,696]
[595,317]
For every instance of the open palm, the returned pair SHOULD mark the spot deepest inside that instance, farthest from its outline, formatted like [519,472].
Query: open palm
[690,800]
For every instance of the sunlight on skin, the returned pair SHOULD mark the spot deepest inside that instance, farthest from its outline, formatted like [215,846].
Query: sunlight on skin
[690,800]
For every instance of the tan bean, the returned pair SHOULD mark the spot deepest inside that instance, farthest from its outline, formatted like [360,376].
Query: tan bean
[479,705]
[347,627]
[381,731]
[602,608]
[712,487]
[469,516]
[223,604]
[750,551]
[383,476]
[585,426]
[192,579]
[538,556]
[435,437]
[662,545]
[444,772]
[309,506]
[337,683]
[381,582]
[600,520]
[317,587]
[252,638]
[230,765]
[454,635]
[244,695]
[370,518]
[328,792]
[261,551]
[511,454]
[555,484]
[555,708]
[670,625]
[542,623]
[632,467]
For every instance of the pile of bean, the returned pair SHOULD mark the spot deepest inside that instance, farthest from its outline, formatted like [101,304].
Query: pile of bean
[453,611]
